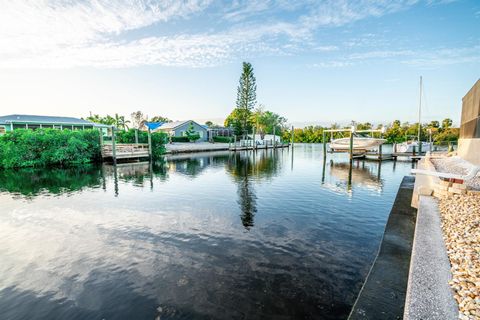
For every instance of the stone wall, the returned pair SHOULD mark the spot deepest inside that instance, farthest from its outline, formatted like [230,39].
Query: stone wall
[469,142]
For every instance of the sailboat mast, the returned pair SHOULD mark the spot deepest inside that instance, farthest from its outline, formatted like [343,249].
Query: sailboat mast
[420,111]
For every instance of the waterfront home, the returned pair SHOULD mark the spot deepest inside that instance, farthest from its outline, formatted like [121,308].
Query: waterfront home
[469,141]
[179,129]
[21,121]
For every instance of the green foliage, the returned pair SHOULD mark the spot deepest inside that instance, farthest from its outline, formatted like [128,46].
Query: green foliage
[239,118]
[160,119]
[191,134]
[159,139]
[240,121]
[222,139]
[48,147]
[247,88]
[446,123]
[265,121]
[396,132]
[179,139]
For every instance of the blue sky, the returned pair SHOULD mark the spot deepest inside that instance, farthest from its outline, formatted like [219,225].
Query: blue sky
[316,62]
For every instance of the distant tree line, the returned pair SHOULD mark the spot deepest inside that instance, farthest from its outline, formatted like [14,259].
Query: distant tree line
[395,132]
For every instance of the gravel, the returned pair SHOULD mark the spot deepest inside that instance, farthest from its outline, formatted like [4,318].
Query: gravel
[461,232]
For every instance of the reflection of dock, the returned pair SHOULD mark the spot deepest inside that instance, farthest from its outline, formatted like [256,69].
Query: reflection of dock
[258,147]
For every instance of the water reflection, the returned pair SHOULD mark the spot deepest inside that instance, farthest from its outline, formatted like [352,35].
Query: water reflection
[31,182]
[216,236]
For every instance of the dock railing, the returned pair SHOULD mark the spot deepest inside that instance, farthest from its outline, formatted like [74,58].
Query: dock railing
[125,150]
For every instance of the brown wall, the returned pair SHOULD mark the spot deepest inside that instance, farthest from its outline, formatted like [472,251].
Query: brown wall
[470,122]
[469,142]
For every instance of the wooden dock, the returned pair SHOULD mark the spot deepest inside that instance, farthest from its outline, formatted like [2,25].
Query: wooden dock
[121,151]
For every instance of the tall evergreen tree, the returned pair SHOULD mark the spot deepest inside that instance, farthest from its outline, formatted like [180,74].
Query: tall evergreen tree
[246,95]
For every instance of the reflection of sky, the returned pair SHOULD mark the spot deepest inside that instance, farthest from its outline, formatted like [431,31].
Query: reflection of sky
[181,245]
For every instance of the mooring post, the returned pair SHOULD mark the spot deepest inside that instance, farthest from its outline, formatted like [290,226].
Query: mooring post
[136,135]
[274,137]
[254,139]
[114,147]
[351,145]
[149,144]
[324,139]
[380,149]
[293,136]
[413,151]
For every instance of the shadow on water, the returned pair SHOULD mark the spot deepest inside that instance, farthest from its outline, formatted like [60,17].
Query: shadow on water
[32,181]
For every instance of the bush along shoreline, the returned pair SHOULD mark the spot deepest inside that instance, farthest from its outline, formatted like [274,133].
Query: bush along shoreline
[63,148]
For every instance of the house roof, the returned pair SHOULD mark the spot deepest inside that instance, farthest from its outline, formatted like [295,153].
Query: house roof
[153,125]
[23,118]
[173,125]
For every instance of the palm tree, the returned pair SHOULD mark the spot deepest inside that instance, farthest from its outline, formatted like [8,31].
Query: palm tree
[120,122]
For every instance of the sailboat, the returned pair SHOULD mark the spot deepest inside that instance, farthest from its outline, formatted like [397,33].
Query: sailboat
[409,146]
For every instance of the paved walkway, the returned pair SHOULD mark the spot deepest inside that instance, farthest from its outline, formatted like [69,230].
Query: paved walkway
[184,147]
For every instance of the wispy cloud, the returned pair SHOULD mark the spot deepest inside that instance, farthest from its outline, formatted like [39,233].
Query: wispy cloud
[433,58]
[124,33]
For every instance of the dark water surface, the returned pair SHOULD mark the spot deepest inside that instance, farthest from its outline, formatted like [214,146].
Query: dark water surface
[205,236]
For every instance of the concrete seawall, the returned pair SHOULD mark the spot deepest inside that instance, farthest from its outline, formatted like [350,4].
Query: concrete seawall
[383,293]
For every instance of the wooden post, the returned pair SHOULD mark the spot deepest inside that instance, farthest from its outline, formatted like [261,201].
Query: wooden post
[380,149]
[274,137]
[293,136]
[136,135]
[413,153]
[324,145]
[114,147]
[149,144]
[351,145]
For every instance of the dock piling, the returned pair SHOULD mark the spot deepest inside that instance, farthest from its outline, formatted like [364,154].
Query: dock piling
[114,147]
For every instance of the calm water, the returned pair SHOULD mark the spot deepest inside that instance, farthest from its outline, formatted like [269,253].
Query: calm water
[208,236]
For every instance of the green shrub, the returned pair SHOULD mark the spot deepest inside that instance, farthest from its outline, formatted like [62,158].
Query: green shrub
[222,139]
[180,139]
[159,139]
[48,147]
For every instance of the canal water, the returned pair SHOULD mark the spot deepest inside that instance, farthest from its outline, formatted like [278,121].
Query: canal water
[265,235]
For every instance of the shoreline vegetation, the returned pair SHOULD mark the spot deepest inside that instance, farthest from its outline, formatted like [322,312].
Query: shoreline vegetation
[63,148]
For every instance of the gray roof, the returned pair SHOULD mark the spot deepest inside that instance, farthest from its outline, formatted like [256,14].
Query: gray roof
[175,124]
[172,125]
[42,119]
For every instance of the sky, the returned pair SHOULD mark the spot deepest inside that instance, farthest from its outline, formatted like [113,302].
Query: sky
[316,62]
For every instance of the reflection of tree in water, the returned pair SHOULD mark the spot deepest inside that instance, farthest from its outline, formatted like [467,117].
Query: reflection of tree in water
[30,182]
[244,168]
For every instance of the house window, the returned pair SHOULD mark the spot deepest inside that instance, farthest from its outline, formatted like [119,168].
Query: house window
[2,130]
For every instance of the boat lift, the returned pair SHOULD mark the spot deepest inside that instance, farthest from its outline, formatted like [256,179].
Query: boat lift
[356,152]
